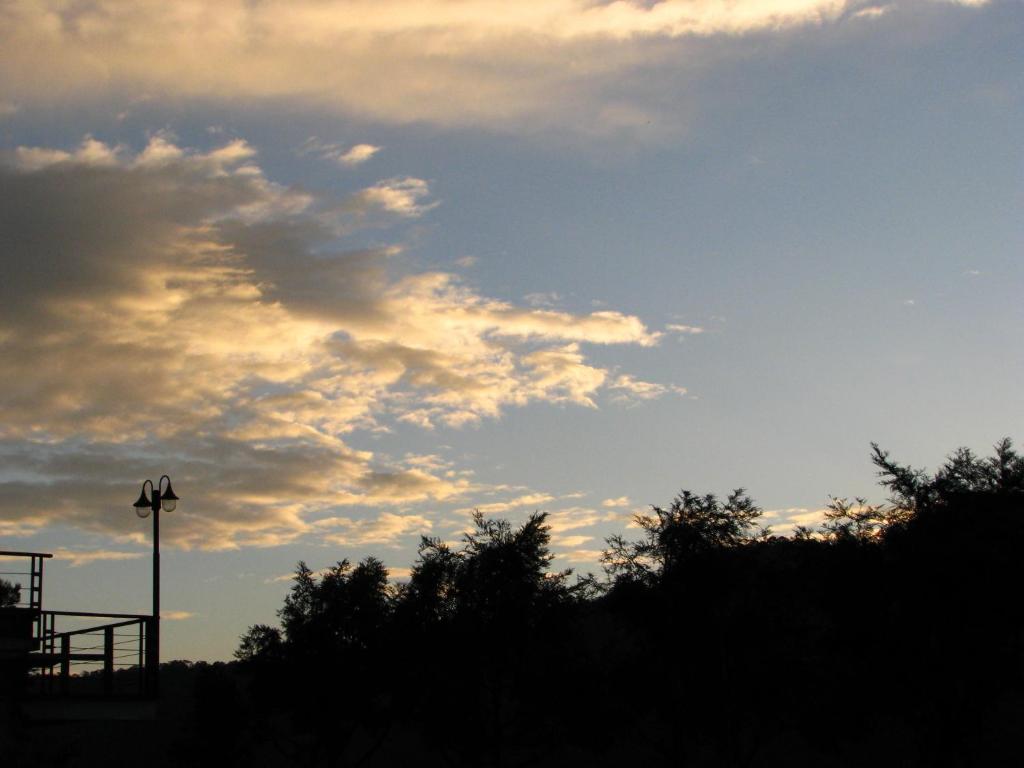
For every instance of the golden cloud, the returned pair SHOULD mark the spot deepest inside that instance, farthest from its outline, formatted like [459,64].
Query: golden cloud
[784,521]
[177,615]
[174,308]
[387,528]
[77,558]
[527,64]
[570,541]
[578,556]
[575,518]
[529,500]
[621,501]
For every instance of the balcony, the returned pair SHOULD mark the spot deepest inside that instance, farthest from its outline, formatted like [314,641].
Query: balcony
[72,664]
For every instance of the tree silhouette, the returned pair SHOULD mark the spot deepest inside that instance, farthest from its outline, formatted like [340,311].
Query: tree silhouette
[690,526]
[430,597]
[478,623]
[891,634]
[10,594]
[858,521]
[913,490]
[320,681]
[260,643]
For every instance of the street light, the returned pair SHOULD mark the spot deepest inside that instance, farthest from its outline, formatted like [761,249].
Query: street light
[166,500]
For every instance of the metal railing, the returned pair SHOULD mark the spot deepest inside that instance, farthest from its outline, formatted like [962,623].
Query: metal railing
[89,654]
[109,659]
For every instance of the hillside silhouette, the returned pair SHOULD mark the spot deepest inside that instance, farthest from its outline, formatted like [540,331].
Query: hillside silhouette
[891,635]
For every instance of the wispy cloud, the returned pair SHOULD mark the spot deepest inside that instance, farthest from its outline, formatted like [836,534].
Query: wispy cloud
[529,500]
[573,541]
[78,558]
[403,196]
[871,12]
[626,388]
[783,521]
[358,154]
[339,153]
[576,518]
[471,62]
[684,330]
[581,556]
[387,528]
[621,501]
[542,299]
[176,615]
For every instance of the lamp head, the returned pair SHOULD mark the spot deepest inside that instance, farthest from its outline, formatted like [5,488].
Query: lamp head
[143,506]
[168,499]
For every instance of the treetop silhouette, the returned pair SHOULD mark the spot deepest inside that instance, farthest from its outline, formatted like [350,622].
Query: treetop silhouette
[891,632]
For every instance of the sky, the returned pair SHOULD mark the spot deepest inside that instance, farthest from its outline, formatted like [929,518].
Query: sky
[347,271]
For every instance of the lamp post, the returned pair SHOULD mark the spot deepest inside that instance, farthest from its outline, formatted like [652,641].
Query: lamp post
[166,500]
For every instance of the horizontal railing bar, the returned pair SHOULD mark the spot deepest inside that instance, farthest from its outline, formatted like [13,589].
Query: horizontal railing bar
[25,554]
[53,659]
[87,630]
[89,614]
[121,644]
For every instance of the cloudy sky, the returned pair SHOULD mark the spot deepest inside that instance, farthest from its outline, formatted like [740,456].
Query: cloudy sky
[349,270]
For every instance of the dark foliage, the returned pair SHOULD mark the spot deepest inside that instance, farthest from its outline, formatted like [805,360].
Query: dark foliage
[10,594]
[893,635]
[692,526]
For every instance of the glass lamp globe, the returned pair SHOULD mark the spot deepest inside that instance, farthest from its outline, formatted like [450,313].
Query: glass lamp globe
[168,499]
[142,504]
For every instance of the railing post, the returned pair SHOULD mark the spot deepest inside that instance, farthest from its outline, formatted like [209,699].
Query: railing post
[65,664]
[51,648]
[46,647]
[39,582]
[108,661]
